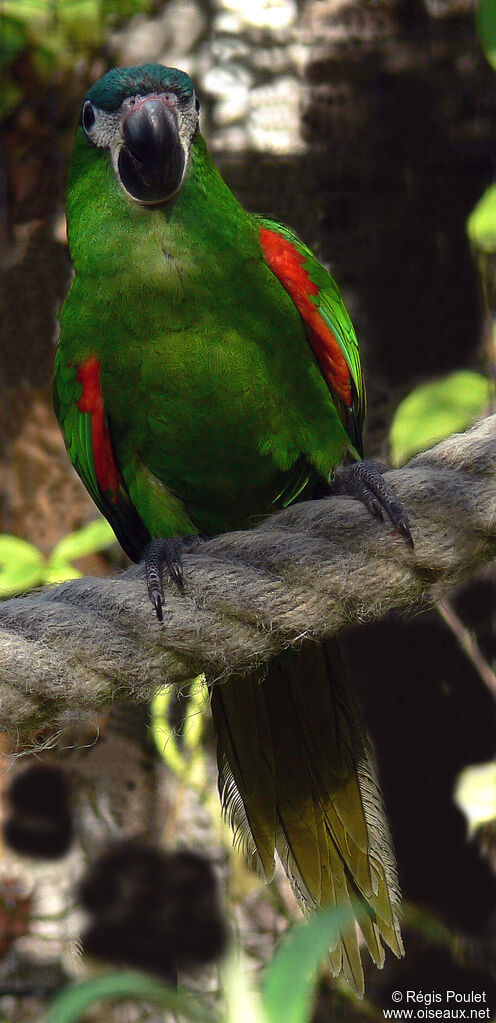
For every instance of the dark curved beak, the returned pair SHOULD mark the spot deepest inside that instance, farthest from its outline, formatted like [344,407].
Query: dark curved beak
[151,161]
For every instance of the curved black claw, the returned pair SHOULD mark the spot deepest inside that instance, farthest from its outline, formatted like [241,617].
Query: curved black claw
[365,482]
[163,556]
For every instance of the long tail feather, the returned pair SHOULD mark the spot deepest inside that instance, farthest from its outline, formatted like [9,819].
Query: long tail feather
[296,776]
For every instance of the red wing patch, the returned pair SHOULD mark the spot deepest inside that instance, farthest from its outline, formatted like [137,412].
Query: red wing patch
[91,401]
[287,264]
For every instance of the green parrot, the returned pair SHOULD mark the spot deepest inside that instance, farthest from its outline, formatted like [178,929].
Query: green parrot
[207,374]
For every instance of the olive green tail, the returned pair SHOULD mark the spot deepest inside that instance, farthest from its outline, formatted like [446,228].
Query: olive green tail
[296,776]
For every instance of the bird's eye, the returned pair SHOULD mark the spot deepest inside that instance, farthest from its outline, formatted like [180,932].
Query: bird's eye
[88,116]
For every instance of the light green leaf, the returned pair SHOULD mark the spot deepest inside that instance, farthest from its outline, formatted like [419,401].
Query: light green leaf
[19,579]
[90,539]
[290,979]
[73,1001]
[22,564]
[60,573]
[436,409]
[485,15]
[12,548]
[481,224]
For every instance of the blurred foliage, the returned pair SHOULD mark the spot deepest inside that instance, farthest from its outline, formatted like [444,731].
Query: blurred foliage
[287,994]
[23,566]
[486,28]
[481,224]
[436,409]
[481,230]
[73,1001]
[54,34]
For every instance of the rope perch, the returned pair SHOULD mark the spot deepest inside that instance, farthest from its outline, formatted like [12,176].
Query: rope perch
[307,571]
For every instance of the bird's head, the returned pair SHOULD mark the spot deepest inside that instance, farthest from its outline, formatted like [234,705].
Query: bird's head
[146,117]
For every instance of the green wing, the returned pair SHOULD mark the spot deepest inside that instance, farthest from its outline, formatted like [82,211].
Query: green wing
[321,306]
[77,431]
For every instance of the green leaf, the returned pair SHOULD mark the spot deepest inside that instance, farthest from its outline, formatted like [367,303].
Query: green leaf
[22,564]
[73,1001]
[436,409]
[93,537]
[290,979]
[485,17]
[12,548]
[481,224]
[19,579]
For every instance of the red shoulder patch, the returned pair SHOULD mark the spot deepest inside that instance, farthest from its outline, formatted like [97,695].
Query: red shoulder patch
[287,264]
[91,401]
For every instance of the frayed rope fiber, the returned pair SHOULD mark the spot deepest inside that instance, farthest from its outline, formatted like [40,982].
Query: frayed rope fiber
[306,572]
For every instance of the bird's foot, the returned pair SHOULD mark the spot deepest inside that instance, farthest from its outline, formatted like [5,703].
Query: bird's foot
[163,557]
[365,482]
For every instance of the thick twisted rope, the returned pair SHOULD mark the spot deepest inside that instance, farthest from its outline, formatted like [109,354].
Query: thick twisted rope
[305,572]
